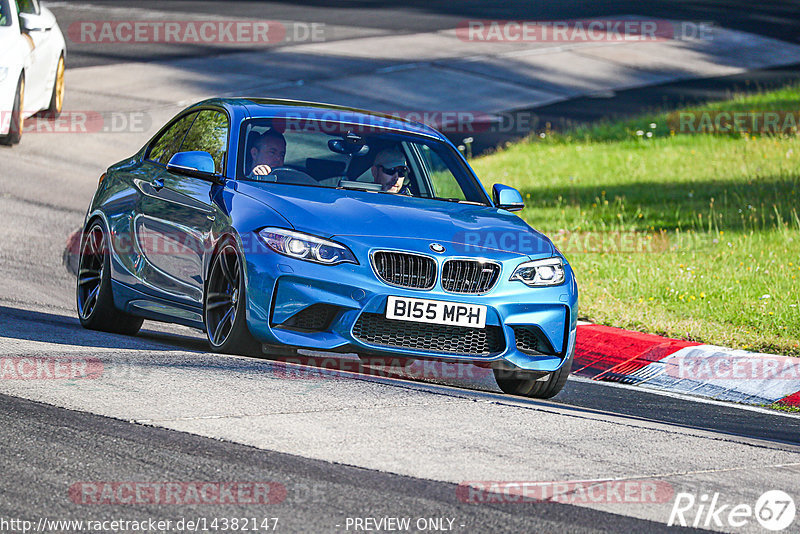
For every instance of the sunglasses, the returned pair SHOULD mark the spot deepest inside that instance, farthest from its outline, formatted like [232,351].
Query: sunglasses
[400,170]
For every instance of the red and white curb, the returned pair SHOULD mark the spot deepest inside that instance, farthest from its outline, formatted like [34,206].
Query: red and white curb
[615,355]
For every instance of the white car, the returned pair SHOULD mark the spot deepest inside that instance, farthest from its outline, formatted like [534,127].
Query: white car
[32,53]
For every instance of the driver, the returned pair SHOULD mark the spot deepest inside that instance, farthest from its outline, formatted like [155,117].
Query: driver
[267,151]
[390,170]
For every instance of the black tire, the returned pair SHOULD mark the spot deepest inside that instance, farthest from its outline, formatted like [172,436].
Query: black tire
[57,97]
[17,123]
[225,304]
[94,294]
[530,385]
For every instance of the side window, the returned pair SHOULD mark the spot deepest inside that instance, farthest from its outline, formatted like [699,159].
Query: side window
[170,141]
[5,15]
[209,133]
[444,183]
[28,6]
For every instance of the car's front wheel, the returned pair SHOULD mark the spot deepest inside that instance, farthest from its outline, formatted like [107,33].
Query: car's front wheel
[533,385]
[57,97]
[225,304]
[95,298]
[15,129]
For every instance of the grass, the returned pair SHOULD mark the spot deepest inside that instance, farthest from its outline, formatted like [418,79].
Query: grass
[783,408]
[695,236]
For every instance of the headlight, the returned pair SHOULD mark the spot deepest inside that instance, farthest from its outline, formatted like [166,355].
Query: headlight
[306,247]
[548,272]
[3,74]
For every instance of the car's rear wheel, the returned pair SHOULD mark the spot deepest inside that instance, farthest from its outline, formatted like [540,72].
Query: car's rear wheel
[57,98]
[225,304]
[95,298]
[17,122]
[532,385]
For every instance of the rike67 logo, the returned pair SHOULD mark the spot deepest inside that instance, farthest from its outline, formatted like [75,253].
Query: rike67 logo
[774,510]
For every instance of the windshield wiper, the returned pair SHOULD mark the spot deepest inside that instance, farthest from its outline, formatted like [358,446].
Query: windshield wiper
[350,188]
[461,201]
[352,185]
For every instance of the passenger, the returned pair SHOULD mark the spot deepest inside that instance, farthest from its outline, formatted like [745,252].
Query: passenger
[267,152]
[390,170]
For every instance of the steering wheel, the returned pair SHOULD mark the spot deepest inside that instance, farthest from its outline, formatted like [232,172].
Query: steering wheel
[288,175]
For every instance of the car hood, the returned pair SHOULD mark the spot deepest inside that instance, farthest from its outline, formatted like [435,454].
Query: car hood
[331,212]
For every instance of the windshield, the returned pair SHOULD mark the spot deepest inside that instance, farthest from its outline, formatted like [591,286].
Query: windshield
[5,14]
[335,155]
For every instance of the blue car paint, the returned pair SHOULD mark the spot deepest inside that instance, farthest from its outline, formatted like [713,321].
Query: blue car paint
[278,286]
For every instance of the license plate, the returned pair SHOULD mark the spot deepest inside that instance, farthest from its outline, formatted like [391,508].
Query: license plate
[436,311]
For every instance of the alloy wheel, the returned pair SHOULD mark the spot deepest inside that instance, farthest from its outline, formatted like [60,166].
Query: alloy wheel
[59,90]
[21,106]
[222,297]
[90,272]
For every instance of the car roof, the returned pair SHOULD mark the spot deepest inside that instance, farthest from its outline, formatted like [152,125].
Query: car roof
[298,109]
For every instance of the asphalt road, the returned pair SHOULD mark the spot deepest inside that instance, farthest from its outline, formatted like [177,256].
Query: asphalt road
[343,445]
[779,19]
[50,449]
[350,20]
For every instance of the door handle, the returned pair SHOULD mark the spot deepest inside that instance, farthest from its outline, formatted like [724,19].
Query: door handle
[157,184]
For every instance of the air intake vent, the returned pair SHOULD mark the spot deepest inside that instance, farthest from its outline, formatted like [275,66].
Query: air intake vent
[405,270]
[314,318]
[531,340]
[469,276]
[375,329]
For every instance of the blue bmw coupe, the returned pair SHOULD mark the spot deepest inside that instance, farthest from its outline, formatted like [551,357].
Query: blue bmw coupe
[276,225]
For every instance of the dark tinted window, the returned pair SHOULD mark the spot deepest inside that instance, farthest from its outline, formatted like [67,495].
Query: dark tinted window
[28,6]
[209,133]
[5,14]
[170,141]
[344,155]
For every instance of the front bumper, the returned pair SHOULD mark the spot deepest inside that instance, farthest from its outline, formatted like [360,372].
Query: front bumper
[280,287]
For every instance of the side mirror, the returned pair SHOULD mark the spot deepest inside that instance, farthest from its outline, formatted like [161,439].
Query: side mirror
[196,164]
[507,198]
[33,23]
